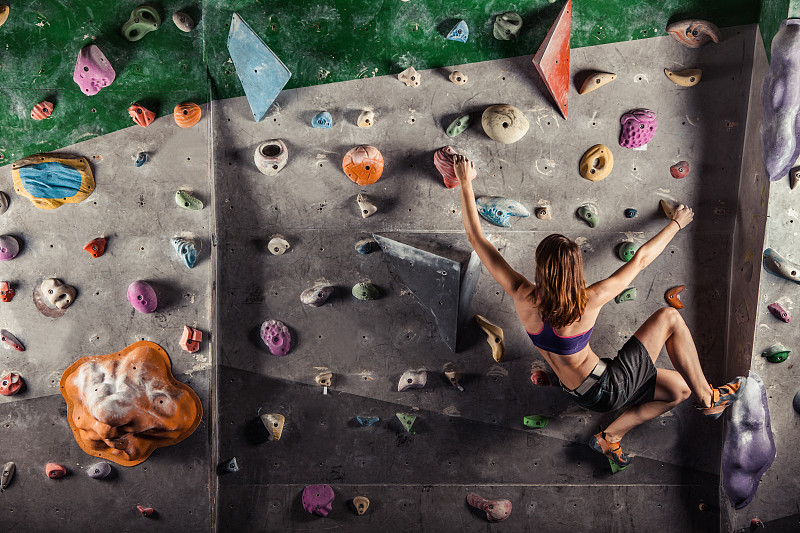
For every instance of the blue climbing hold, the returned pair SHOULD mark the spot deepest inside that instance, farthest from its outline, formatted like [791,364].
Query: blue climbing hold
[460,32]
[141,159]
[499,210]
[367,420]
[186,250]
[366,246]
[630,213]
[322,120]
[51,180]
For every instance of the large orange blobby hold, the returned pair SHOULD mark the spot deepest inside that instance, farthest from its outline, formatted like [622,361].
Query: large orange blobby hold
[123,406]
[363,164]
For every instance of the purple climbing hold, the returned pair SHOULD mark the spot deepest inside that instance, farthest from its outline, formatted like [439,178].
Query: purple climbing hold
[638,128]
[92,70]
[779,312]
[276,336]
[9,247]
[318,499]
[749,445]
[142,296]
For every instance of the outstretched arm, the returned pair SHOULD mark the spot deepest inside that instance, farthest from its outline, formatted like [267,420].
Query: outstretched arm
[607,289]
[512,281]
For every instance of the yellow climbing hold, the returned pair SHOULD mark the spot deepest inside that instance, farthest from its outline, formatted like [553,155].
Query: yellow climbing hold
[494,336]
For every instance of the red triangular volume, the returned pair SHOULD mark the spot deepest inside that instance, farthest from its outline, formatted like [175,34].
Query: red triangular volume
[552,58]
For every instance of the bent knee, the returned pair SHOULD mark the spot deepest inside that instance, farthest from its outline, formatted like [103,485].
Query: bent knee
[671,317]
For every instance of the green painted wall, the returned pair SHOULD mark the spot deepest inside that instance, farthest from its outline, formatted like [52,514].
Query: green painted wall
[320,42]
[769,20]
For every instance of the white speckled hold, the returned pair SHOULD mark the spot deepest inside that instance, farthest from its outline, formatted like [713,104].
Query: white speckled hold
[183,21]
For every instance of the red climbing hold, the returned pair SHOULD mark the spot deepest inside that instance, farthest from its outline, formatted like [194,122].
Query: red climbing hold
[552,58]
[96,247]
[679,170]
[6,292]
[55,470]
[540,377]
[10,384]
[146,511]
[672,296]
[190,340]
[141,115]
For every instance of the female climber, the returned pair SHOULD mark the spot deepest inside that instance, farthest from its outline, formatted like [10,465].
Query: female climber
[559,312]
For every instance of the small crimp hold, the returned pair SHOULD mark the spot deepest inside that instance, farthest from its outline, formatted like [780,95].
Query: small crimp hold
[11,384]
[496,510]
[365,206]
[324,379]
[98,470]
[685,78]
[458,126]
[232,465]
[187,201]
[274,423]
[366,119]
[679,170]
[367,421]
[494,336]
[630,213]
[407,421]
[55,470]
[144,19]
[276,336]
[507,26]
[366,246]
[627,295]
[459,33]
[410,77]
[42,110]
[317,295]
[322,120]
[318,499]
[186,250]
[671,296]
[535,421]
[191,339]
[183,21]
[139,159]
[412,379]
[668,208]
[361,504]
[627,250]
[595,81]
[694,33]
[147,512]
[458,77]
[589,213]
[543,212]
[3,202]
[141,115]
[96,247]
[364,290]
[10,341]
[776,309]
[6,292]
[777,353]
[540,377]
[453,375]
[7,474]
[277,245]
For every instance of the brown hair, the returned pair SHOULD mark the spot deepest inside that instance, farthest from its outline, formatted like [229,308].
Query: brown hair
[559,280]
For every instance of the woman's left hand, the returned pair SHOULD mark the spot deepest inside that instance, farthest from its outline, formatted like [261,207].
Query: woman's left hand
[464,169]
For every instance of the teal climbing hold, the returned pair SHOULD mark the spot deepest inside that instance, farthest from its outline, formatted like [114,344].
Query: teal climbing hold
[186,250]
[499,210]
[460,32]
[367,421]
[627,295]
[322,120]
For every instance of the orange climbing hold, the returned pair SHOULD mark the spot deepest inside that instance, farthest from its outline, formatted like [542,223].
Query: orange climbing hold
[42,110]
[187,114]
[141,115]
[672,296]
[363,164]
[6,292]
[552,58]
[96,247]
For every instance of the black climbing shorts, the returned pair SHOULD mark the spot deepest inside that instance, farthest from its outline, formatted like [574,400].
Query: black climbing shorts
[629,380]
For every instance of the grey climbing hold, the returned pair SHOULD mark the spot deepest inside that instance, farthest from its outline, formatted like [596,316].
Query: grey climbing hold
[796,401]
[627,295]
[274,423]
[277,245]
[366,206]
[98,470]
[183,21]
[364,290]
[412,379]
[627,250]
[776,264]
[7,474]
[3,202]
[186,250]
[317,295]
[794,178]
[271,156]
[588,212]
[232,465]
[140,159]
[367,421]
[187,201]
[366,119]
[507,26]
[630,213]
[366,246]
[458,77]
[410,77]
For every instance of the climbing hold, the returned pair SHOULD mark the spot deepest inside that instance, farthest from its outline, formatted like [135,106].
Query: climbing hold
[596,163]
[535,421]
[55,470]
[412,379]
[780,94]
[6,292]
[671,296]
[453,375]
[595,81]
[276,336]
[773,262]
[777,353]
[638,128]
[262,74]
[504,123]
[496,510]
[3,14]
[142,296]
[627,250]
[540,377]
[366,246]
[187,201]
[494,336]
[191,339]
[187,114]
[363,164]
[361,504]
[50,180]
[277,245]
[183,21]
[143,20]
[96,247]
[7,475]
[324,379]
[274,423]
[458,77]
[318,499]
[98,470]
[367,421]
[460,32]
[543,212]
[232,465]
[92,70]
[41,110]
[9,247]
[668,208]
[499,210]
[141,115]
[694,33]
[749,447]
[552,58]
[679,170]
[444,161]
[458,126]
[794,179]
[3,202]
[630,213]
[11,384]
[410,77]
[366,206]
[186,250]
[756,523]
[588,213]
[58,293]
[776,309]
[507,26]
[685,78]
[139,159]
[317,295]
[407,421]
[10,341]
[627,295]
[366,119]
[147,512]
[322,120]
[364,290]
[796,401]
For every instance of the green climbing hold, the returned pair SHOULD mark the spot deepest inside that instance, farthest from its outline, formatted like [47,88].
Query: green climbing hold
[535,421]
[627,250]
[588,212]
[407,421]
[187,201]
[365,290]
[777,353]
[507,26]
[458,126]
[627,295]
[615,467]
[144,19]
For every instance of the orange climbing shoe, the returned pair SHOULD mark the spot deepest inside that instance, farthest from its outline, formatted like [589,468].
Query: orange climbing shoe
[612,450]
[722,397]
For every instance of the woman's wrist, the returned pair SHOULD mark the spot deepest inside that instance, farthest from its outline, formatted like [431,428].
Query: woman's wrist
[678,223]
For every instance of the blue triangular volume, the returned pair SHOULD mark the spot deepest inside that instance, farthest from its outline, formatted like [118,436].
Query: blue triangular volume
[262,74]
[460,32]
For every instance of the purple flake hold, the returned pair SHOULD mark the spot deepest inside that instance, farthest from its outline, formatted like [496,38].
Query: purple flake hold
[638,128]
[92,70]
[9,247]
[142,296]
[276,336]
[318,499]
[779,312]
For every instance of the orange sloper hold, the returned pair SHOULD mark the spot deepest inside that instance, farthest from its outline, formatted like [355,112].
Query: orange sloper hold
[141,115]
[552,58]
[187,114]
[123,406]
[363,164]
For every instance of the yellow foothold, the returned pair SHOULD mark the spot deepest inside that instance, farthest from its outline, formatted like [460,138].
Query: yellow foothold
[274,424]
[669,208]
[361,504]
[3,14]
[685,78]
[324,379]
[595,81]
[494,336]
[596,163]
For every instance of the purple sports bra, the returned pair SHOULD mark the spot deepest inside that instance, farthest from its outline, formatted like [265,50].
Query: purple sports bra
[547,339]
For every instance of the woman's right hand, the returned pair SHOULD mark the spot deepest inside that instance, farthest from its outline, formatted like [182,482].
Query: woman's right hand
[683,215]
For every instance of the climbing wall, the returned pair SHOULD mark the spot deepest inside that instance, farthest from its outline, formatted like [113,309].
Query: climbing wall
[471,440]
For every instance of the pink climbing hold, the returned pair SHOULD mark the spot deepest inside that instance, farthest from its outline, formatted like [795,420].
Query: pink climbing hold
[638,128]
[42,110]
[496,510]
[190,340]
[443,160]
[11,384]
[540,377]
[318,499]
[779,312]
[142,296]
[276,336]
[55,470]
[92,70]
[147,512]
[9,247]
[679,170]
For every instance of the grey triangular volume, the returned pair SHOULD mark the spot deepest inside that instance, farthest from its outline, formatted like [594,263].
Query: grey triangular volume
[442,286]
